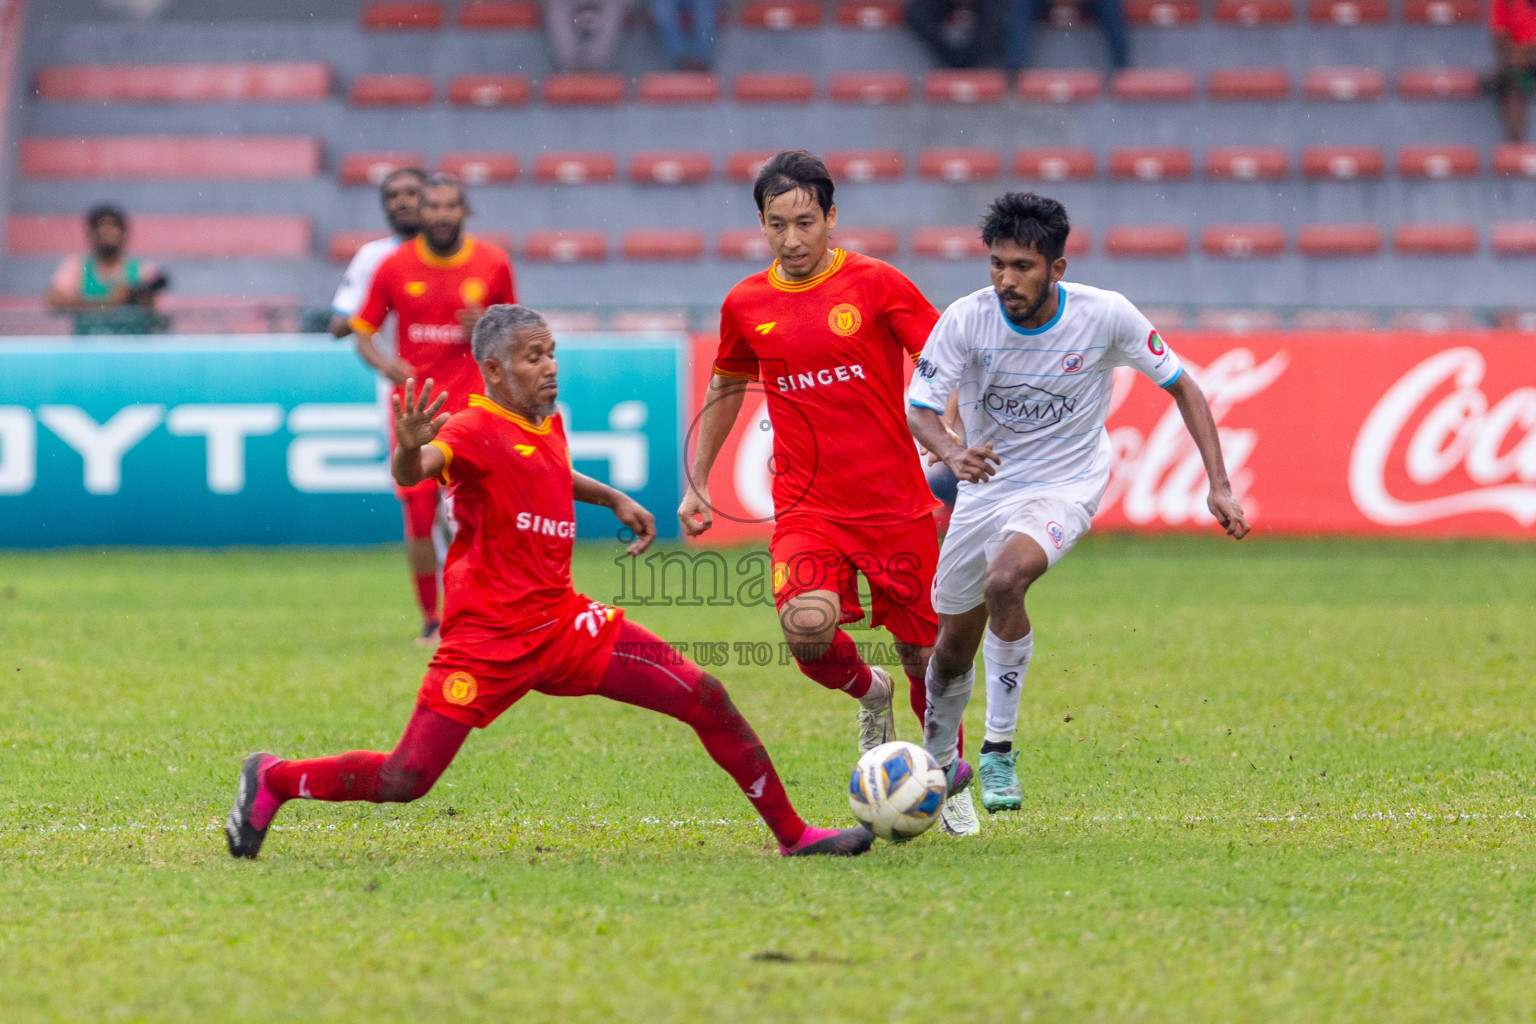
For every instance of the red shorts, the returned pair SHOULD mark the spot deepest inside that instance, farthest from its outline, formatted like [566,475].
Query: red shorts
[898,560]
[419,504]
[564,658]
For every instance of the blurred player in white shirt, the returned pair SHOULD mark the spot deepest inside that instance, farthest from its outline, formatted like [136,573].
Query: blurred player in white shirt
[1030,361]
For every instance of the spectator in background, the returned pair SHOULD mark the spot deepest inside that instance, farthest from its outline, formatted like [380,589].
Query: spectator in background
[584,33]
[1023,14]
[959,33]
[1513,23]
[109,291]
[690,47]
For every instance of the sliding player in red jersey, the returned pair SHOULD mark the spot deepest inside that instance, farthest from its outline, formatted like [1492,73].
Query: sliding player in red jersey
[513,621]
[827,334]
[437,285]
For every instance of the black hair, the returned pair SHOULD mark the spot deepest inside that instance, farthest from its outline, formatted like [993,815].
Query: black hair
[1033,221]
[793,170]
[415,172]
[105,211]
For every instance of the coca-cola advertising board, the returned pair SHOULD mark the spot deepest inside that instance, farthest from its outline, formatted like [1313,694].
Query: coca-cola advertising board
[1371,434]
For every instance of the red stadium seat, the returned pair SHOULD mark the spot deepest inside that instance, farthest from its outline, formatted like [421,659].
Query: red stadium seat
[1239,321]
[1247,163]
[573,246]
[1438,83]
[1338,240]
[773,88]
[481,168]
[780,15]
[1146,241]
[678,87]
[871,14]
[1347,13]
[1438,162]
[389,16]
[1162,13]
[1515,159]
[1242,241]
[1149,163]
[499,14]
[861,165]
[235,82]
[489,90]
[1251,13]
[743,164]
[575,167]
[597,89]
[1442,12]
[1058,85]
[1249,84]
[1079,242]
[873,88]
[744,244]
[1515,238]
[1054,164]
[1435,239]
[985,86]
[344,244]
[669,167]
[662,244]
[159,156]
[647,320]
[959,164]
[949,243]
[391,91]
[1434,321]
[1343,163]
[1523,320]
[271,236]
[1154,85]
[1339,321]
[880,243]
[1344,85]
[372,168]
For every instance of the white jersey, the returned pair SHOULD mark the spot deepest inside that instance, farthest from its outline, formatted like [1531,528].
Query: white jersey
[1039,396]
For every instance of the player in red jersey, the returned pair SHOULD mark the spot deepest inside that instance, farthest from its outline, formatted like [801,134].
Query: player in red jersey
[436,285]
[827,334]
[513,622]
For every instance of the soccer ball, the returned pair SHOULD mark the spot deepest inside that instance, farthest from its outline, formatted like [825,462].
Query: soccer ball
[897,789]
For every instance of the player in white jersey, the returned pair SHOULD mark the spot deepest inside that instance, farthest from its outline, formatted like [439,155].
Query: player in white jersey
[1030,360]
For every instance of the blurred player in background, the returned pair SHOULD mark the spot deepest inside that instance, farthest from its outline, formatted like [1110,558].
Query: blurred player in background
[825,332]
[513,621]
[1031,360]
[436,285]
[400,194]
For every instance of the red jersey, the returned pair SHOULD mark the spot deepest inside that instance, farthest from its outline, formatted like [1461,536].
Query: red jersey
[830,351]
[509,568]
[426,292]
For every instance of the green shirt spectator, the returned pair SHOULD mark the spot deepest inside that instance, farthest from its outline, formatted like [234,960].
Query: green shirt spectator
[108,291]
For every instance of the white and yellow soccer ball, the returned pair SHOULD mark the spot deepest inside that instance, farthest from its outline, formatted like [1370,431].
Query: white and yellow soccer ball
[897,789]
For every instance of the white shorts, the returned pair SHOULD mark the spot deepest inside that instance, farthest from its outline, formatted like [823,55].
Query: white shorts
[959,584]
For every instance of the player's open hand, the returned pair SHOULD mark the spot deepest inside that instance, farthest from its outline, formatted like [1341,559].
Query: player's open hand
[695,504]
[417,420]
[974,465]
[640,522]
[1228,512]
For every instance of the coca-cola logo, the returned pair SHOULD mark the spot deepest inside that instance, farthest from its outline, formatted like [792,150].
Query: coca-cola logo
[1492,443]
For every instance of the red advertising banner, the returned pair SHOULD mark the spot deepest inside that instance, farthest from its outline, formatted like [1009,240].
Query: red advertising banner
[1372,434]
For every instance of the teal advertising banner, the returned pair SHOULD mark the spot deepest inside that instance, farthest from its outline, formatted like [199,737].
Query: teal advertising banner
[277,440]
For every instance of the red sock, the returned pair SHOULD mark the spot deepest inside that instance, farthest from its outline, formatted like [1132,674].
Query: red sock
[840,668]
[917,691]
[427,747]
[426,595]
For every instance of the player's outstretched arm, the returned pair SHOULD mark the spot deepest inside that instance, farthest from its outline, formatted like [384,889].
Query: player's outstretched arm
[972,465]
[721,407]
[1202,427]
[417,421]
[625,509]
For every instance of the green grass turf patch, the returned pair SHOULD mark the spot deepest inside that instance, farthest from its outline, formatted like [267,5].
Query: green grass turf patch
[1270,781]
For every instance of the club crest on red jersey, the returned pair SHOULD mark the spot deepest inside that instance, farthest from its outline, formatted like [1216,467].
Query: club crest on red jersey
[845,319]
[460,688]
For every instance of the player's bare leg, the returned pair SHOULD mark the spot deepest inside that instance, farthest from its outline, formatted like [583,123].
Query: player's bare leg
[421,556]
[828,655]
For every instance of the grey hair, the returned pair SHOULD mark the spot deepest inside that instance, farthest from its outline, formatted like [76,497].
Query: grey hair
[497,332]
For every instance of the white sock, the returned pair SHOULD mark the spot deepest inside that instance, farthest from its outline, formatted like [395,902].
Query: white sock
[947,699]
[1007,662]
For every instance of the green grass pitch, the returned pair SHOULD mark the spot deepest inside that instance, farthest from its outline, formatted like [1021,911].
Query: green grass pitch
[1268,781]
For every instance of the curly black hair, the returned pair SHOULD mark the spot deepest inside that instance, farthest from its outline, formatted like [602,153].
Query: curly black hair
[1033,221]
